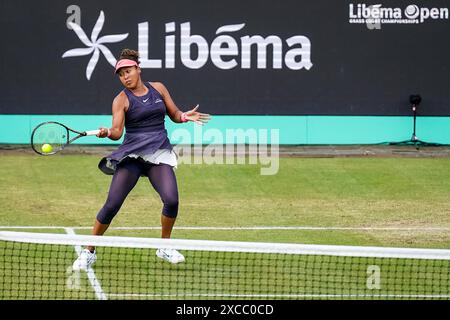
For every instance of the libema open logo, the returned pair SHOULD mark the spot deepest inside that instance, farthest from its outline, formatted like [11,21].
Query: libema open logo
[378,14]
[228,50]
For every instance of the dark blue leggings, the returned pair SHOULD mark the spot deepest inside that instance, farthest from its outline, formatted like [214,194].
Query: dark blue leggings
[127,174]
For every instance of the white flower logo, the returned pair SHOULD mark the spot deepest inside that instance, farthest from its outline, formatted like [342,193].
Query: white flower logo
[94,45]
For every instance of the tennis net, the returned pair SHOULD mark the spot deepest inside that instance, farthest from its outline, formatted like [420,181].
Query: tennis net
[39,266]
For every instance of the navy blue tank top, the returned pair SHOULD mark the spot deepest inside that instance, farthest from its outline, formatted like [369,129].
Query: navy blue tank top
[145,131]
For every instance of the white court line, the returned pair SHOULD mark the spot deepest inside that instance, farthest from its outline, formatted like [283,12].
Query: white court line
[90,273]
[247,228]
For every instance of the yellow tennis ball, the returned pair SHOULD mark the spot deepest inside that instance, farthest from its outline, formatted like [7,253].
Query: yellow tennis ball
[47,148]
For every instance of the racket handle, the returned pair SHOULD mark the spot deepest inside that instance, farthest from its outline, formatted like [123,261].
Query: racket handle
[92,132]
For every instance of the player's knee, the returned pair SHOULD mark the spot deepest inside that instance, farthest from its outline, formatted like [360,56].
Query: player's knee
[170,208]
[108,212]
[112,207]
[104,218]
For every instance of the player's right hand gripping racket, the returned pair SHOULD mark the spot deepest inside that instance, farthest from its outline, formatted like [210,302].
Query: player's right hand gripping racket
[51,137]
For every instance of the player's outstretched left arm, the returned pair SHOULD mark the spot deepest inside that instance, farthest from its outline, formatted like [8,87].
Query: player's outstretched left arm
[175,114]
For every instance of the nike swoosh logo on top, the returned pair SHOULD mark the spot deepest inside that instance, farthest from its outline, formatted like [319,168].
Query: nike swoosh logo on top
[145,100]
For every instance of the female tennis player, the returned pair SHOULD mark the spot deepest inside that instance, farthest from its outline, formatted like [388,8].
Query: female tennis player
[146,151]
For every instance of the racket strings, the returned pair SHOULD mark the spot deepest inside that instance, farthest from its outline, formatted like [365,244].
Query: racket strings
[52,134]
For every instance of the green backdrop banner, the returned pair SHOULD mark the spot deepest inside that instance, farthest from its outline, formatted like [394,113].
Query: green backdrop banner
[284,130]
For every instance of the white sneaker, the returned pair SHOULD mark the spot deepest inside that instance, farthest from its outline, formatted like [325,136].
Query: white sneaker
[85,260]
[170,255]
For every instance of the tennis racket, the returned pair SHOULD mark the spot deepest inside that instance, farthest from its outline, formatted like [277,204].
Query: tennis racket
[51,137]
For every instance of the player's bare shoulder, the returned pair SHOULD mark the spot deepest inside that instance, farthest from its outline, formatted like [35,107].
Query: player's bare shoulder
[121,102]
[159,86]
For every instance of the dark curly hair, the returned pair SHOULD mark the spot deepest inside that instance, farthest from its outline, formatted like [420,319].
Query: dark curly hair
[129,54]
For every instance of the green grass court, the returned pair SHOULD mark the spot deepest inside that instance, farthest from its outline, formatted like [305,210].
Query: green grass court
[387,202]
[397,193]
